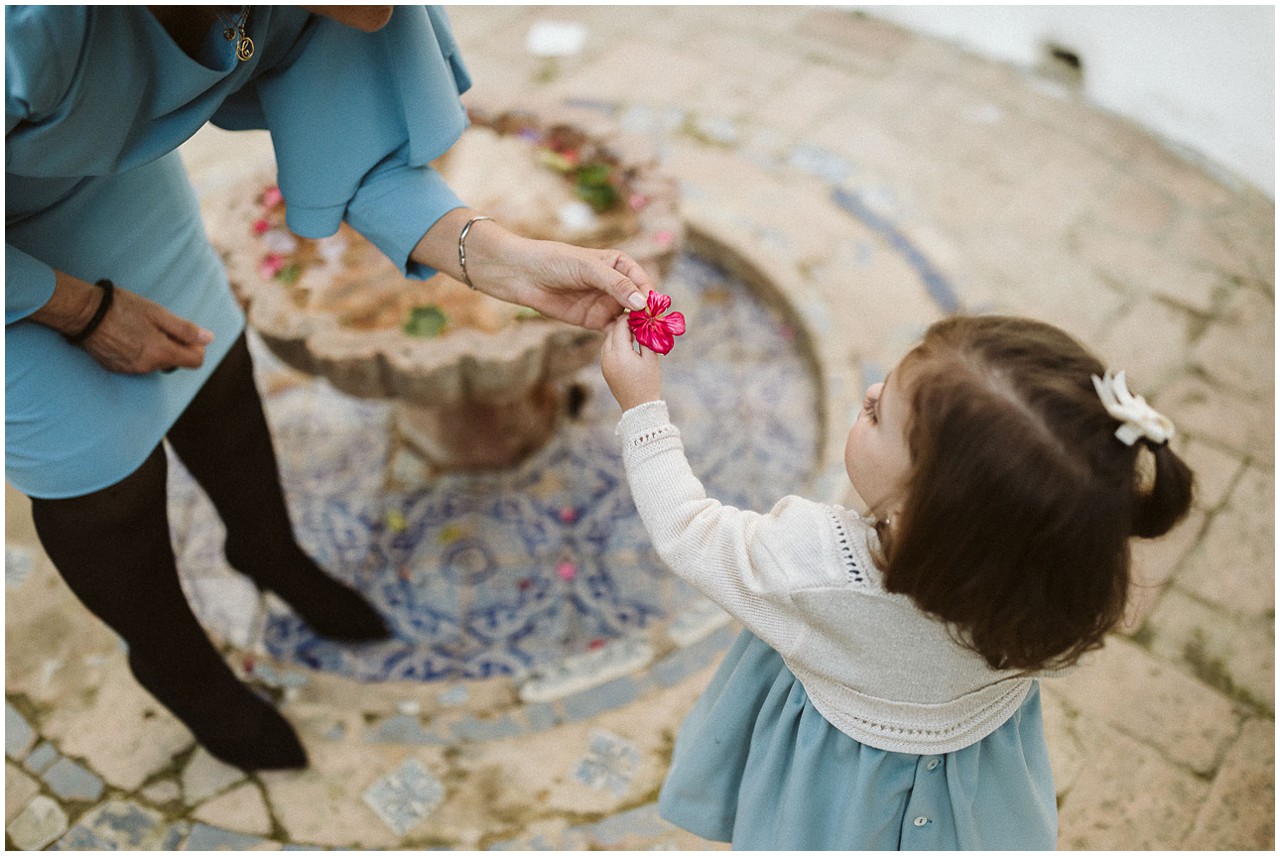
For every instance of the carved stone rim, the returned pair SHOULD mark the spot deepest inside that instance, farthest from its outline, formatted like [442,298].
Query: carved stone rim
[466,364]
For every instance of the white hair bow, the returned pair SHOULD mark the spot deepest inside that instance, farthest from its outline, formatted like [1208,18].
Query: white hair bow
[1140,419]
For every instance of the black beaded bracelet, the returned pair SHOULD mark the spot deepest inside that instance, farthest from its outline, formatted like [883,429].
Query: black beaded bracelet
[108,294]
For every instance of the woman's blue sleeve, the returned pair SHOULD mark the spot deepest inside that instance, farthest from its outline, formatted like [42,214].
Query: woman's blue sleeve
[356,118]
[28,284]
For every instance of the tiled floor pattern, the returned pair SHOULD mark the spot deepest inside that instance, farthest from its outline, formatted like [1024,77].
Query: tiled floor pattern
[510,573]
[882,179]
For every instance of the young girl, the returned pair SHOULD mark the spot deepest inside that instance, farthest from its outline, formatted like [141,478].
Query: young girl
[884,694]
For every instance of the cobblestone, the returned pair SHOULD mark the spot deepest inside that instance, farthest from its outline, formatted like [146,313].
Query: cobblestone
[877,179]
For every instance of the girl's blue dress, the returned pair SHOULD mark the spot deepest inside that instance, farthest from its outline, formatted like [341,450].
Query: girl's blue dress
[757,765]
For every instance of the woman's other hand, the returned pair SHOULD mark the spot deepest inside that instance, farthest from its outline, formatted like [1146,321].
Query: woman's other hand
[136,336]
[633,377]
[578,285]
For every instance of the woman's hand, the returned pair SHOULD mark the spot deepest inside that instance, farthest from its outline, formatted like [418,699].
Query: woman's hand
[633,378]
[136,336]
[578,285]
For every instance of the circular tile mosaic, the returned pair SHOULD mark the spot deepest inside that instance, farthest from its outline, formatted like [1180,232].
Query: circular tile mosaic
[507,573]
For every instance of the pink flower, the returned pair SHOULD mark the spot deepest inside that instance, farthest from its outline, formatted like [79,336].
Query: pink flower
[568,514]
[260,226]
[652,328]
[271,265]
[566,570]
[271,197]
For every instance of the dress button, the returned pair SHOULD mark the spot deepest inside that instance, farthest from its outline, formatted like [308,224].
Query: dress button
[920,821]
[933,764]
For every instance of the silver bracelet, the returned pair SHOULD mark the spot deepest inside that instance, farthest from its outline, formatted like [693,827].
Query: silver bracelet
[462,247]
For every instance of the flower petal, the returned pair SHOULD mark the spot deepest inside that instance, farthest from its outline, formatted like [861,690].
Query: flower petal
[658,303]
[660,340]
[674,322]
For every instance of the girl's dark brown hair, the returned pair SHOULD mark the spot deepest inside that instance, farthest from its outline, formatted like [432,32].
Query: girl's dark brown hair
[1021,502]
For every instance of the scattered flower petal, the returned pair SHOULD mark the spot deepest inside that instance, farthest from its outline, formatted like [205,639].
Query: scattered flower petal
[568,514]
[271,265]
[271,197]
[566,570]
[260,226]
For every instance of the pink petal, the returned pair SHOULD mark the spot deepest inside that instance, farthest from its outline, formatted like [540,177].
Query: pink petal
[674,322]
[271,265]
[647,331]
[657,339]
[567,570]
[658,303]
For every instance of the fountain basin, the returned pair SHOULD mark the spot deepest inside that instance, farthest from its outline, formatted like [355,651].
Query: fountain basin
[477,383]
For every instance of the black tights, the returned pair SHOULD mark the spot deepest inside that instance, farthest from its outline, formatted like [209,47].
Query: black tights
[113,549]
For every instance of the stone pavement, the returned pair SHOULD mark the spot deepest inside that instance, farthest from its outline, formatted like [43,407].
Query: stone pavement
[876,180]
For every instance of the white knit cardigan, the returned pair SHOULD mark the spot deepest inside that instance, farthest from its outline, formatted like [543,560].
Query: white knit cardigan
[802,579]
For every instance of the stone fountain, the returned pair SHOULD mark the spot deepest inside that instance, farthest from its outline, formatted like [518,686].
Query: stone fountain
[476,383]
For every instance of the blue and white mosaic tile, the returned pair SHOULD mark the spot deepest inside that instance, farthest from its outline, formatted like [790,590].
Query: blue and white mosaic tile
[19,564]
[610,763]
[71,781]
[405,797]
[122,825]
[18,733]
[514,572]
[205,837]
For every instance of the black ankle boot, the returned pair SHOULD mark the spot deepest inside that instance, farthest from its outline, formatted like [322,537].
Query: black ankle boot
[227,718]
[329,607]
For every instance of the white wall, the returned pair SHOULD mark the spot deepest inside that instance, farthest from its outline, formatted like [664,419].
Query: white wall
[1199,76]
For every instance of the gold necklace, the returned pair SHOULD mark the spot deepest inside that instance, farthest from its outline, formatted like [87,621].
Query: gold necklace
[234,29]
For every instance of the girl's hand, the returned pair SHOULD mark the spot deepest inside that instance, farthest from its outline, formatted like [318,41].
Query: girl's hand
[633,378]
[581,286]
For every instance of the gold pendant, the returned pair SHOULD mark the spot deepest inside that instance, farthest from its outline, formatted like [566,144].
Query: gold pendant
[244,47]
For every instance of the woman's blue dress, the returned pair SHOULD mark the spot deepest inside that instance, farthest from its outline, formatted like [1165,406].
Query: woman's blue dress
[757,765]
[97,100]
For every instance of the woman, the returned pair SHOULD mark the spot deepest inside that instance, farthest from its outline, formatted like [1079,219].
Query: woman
[121,330]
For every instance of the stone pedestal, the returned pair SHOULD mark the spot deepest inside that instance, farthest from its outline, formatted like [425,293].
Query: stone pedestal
[475,435]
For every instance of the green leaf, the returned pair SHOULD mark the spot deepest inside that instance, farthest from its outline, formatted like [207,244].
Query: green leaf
[289,273]
[594,174]
[600,197]
[425,322]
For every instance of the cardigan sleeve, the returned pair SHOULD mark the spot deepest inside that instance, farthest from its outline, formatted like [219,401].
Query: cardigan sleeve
[356,118]
[748,563]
